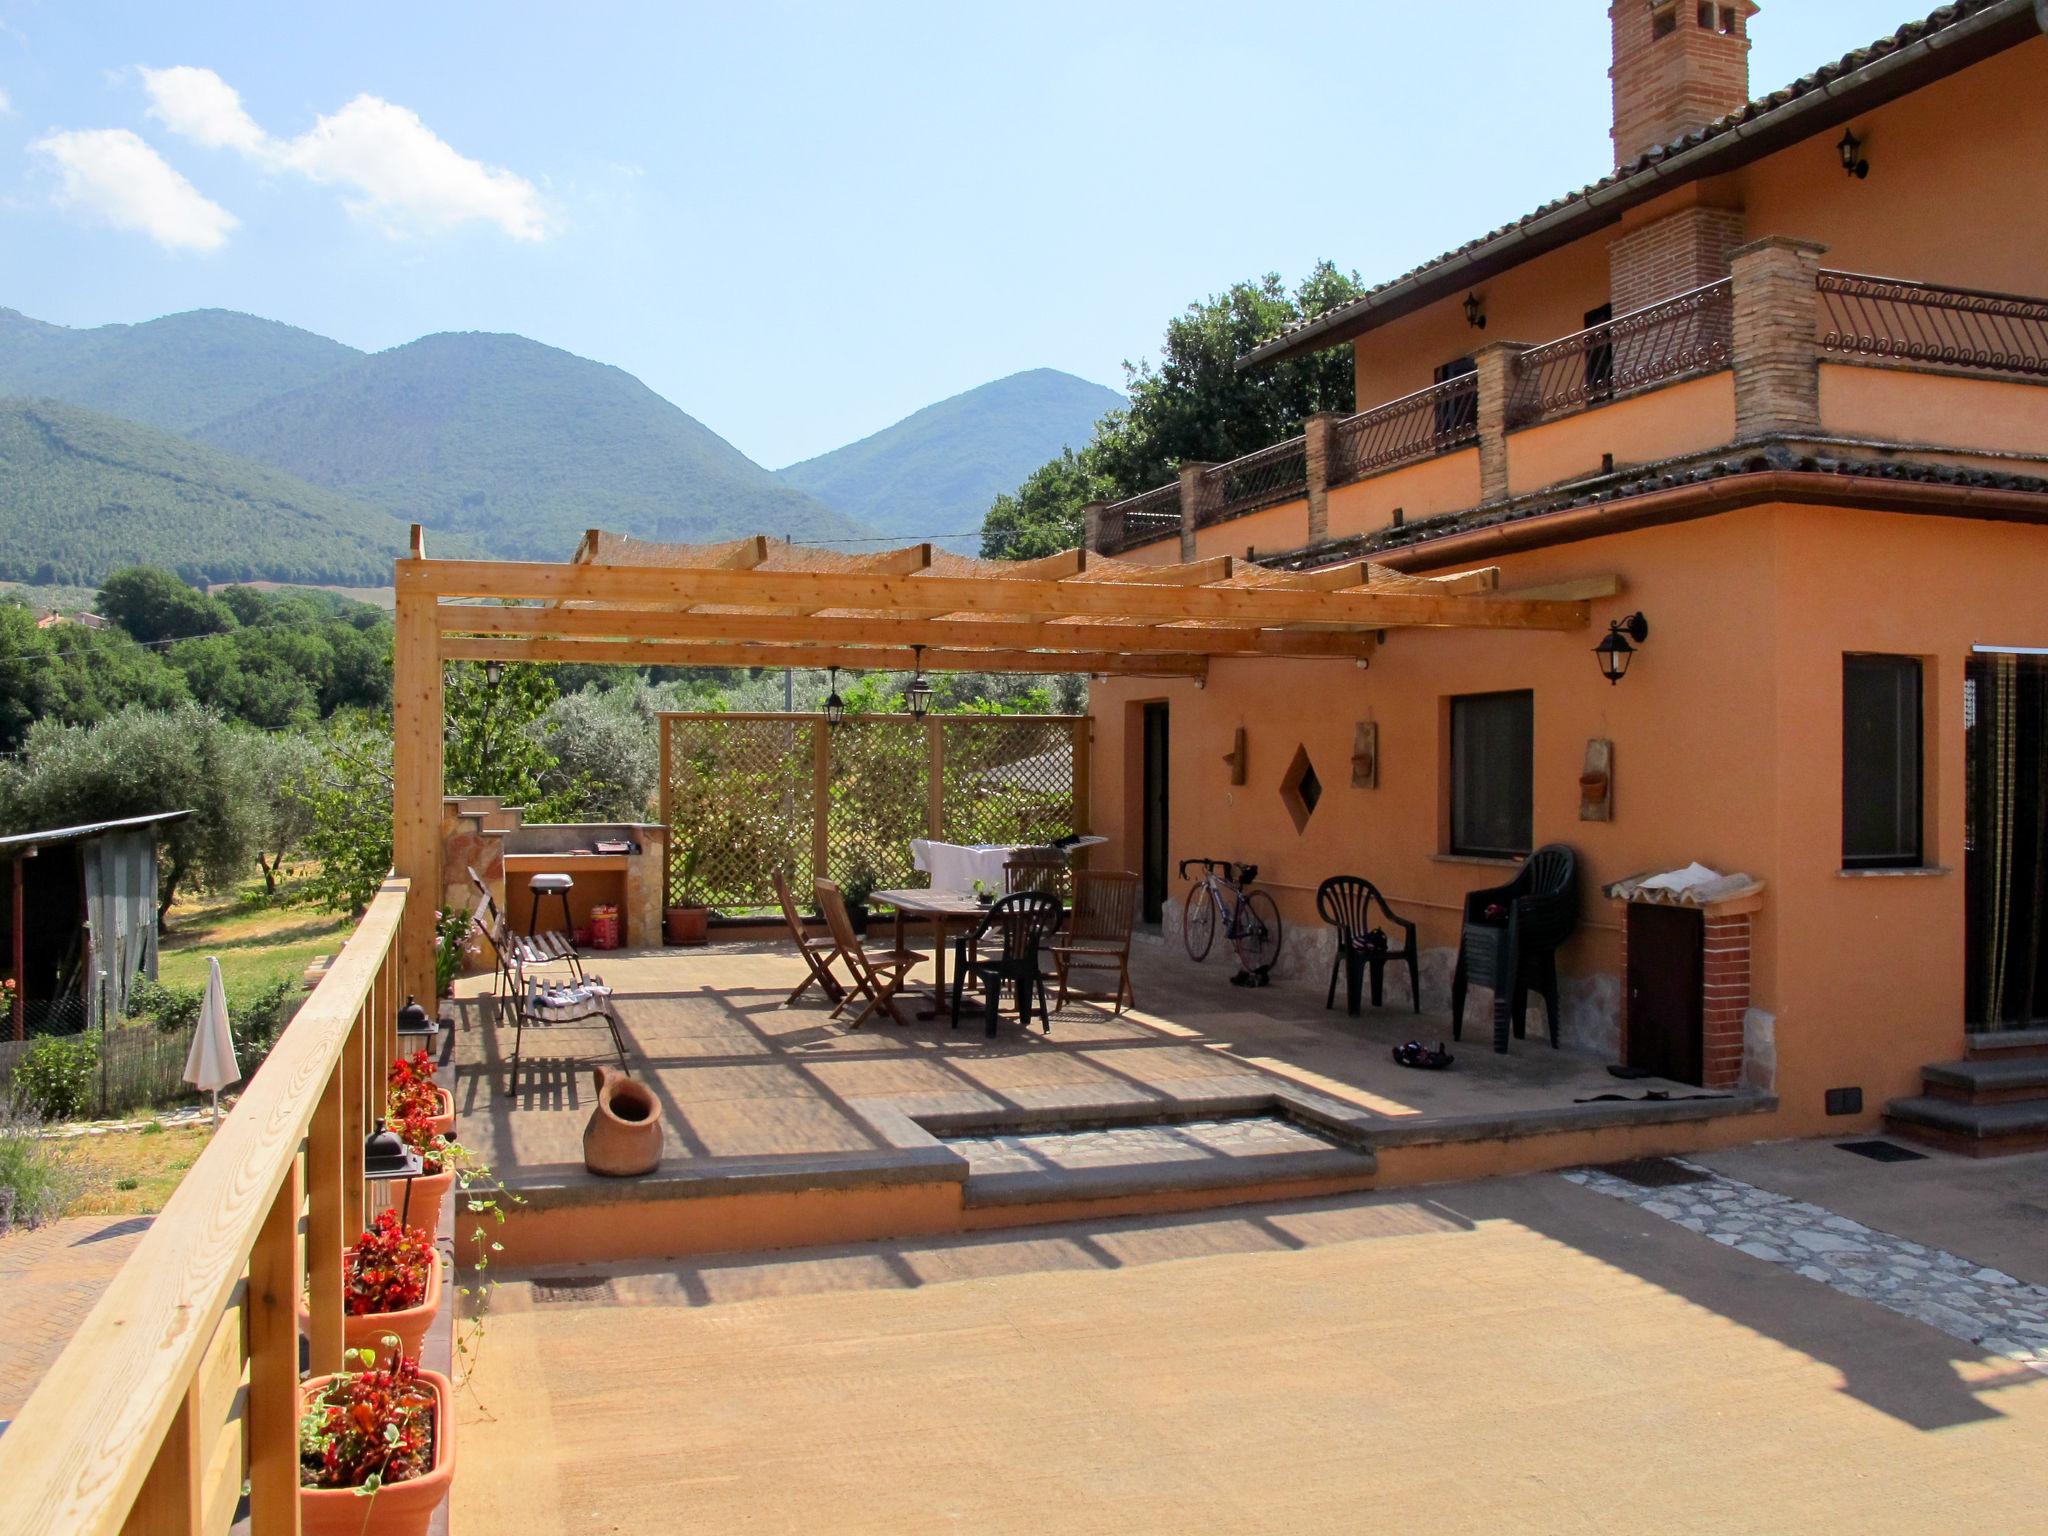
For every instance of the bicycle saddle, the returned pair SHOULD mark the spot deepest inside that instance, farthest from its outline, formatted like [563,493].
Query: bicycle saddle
[1247,873]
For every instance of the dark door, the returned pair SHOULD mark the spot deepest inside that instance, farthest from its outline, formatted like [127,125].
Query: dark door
[1154,864]
[1457,417]
[2005,841]
[1665,957]
[1599,353]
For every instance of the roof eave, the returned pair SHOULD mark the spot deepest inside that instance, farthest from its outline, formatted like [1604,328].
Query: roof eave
[1919,63]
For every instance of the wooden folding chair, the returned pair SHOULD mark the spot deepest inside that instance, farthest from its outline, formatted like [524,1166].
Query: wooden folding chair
[819,953]
[878,978]
[1098,934]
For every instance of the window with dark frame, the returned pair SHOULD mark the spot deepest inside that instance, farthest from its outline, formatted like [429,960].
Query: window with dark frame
[1493,760]
[1882,763]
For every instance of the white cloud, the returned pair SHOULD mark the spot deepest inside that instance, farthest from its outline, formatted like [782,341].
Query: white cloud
[6,106]
[110,174]
[403,176]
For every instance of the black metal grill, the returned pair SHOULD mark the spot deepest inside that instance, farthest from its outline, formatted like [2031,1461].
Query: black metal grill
[1263,479]
[1674,339]
[1418,426]
[1141,519]
[1888,317]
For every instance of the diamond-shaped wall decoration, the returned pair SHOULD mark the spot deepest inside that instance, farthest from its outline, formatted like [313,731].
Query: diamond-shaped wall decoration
[1300,789]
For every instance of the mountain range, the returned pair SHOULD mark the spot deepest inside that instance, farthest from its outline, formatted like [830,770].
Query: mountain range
[232,447]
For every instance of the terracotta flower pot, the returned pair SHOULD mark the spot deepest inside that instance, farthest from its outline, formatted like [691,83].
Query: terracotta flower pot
[444,1121]
[687,925]
[429,1194]
[1593,786]
[402,1509]
[623,1137]
[367,1331]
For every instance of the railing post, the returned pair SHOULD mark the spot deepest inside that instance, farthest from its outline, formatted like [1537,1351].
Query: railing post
[417,723]
[668,844]
[1316,435]
[358,1107]
[1777,354]
[1082,786]
[273,1413]
[172,1500]
[935,780]
[1496,368]
[324,1236]
[1192,477]
[1091,526]
[821,801]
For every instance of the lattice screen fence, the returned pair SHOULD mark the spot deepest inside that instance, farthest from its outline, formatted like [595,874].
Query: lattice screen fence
[744,794]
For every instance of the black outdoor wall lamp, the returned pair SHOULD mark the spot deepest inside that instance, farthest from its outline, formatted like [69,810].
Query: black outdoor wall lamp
[835,706]
[919,694]
[494,673]
[1475,312]
[1615,651]
[1851,151]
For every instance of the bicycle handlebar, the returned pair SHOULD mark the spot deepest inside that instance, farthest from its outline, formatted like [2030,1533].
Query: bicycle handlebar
[1235,874]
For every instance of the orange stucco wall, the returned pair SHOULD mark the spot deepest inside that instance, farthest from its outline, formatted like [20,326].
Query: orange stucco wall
[1727,745]
[1916,407]
[1680,418]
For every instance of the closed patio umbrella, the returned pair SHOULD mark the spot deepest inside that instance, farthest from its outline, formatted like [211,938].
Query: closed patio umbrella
[210,1064]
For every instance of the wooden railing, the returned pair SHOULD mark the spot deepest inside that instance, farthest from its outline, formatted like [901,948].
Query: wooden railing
[184,1380]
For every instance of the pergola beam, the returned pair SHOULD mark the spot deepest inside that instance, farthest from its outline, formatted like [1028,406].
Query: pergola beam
[874,658]
[1264,606]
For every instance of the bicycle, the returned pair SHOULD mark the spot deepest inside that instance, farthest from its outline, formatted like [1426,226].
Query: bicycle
[1249,918]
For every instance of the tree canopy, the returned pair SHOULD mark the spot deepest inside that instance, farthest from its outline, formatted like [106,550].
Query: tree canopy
[1196,405]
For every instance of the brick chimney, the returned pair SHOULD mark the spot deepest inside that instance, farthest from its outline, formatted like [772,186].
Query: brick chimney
[1678,65]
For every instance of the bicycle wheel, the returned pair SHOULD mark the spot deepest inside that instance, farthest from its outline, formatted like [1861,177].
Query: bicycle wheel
[1258,938]
[1198,921]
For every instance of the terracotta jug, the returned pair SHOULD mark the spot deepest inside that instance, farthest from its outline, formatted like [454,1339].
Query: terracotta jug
[623,1137]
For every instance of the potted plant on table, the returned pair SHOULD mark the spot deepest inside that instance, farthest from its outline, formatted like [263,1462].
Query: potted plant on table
[376,1447]
[689,920]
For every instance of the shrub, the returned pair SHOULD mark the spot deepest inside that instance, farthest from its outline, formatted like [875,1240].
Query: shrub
[256,1025]
[37,1177]
[57,1076]
[169,1008]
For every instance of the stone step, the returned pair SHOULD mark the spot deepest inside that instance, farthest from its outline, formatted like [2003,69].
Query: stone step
[504,819]
[1977,1130]
[478,805]
[2006,1044]
[1988,1080]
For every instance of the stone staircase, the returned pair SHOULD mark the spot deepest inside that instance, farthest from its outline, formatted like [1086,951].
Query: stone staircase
[1992,1103]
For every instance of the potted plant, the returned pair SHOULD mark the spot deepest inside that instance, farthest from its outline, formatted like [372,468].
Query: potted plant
[390,1284]
[413,1090]
[856,888]
[689,920]
[439,1154]
[376,1448]
[451,949]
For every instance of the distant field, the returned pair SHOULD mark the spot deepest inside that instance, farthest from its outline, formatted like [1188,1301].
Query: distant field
[255,944]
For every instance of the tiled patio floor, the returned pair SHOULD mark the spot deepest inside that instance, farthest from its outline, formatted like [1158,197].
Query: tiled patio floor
[741,1075]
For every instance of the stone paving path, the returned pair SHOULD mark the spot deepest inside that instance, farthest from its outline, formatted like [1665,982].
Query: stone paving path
[1966,1300]
[49,1279]
[1118,1146]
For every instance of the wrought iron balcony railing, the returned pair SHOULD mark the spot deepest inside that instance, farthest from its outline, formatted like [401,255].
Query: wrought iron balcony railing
[1888,317]
[1673,339]
[1418,426]
[1262,479]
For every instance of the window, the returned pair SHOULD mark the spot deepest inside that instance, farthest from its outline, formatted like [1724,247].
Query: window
[1600,354]
[1706,16]
[1731,21]
[1881,762]
[1459,415]
[1492,766]
[1664,22]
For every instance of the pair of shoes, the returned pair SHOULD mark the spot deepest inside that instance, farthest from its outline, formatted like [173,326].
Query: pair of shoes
[1415,1054]
[1262,977]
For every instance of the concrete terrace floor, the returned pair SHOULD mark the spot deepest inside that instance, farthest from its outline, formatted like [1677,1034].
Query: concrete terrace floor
[742,1075]
[1513,1355]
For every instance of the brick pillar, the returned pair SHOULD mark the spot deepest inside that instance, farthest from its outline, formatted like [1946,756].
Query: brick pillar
[1315,433]
[1191,477]
[1091,526]
[1777,365]
[1496,364]
[1726,1000]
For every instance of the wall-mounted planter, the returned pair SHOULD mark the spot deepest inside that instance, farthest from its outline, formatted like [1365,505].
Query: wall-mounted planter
[1596,782]
[1365,755]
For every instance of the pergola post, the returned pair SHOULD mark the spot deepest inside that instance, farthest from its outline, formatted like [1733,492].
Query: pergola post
[417,774]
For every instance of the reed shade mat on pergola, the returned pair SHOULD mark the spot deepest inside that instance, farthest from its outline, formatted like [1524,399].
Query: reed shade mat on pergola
[758,603]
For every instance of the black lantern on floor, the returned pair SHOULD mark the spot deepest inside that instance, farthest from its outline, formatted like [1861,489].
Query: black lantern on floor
[919,695]
[1615,652]
[1851,151]
[835,706]
[415,1023]
[1475,312]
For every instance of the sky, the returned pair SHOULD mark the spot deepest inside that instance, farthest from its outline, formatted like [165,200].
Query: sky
[797,222]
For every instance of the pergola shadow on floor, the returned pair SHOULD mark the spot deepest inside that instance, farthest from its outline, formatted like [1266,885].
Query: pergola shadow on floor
[754,1090]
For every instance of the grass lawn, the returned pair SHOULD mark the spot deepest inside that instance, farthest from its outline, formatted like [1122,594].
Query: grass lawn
[255,943]
[131,1173]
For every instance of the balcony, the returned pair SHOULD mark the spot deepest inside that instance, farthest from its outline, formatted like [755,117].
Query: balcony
[1873,365]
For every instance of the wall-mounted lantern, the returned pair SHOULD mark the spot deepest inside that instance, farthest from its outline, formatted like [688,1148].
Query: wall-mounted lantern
[835,706]
[1475,312]
[494,674]
[919,694]
[1615,652]
[1851,151]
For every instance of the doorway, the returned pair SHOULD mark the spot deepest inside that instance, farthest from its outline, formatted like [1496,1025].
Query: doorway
[2005,840]
[1153,863]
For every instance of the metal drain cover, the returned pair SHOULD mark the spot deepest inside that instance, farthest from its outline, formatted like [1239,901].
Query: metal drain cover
[573,1288]
[1654,1172]
[1882,1151]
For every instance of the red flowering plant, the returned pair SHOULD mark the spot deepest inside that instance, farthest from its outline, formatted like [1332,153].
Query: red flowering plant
[416,1129]
[369,1427]
[413,1087]
[387,1269]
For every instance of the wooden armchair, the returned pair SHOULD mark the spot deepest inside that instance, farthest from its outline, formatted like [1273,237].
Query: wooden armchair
[819,952]
[1098,933]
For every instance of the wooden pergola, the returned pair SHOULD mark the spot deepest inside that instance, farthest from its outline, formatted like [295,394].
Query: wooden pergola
[761,603]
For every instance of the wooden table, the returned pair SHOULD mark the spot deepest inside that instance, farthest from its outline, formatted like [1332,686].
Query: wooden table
[944,910]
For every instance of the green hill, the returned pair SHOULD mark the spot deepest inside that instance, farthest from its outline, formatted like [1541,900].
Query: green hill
[524,445]
[935,472]
[82,493]
[176,373]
